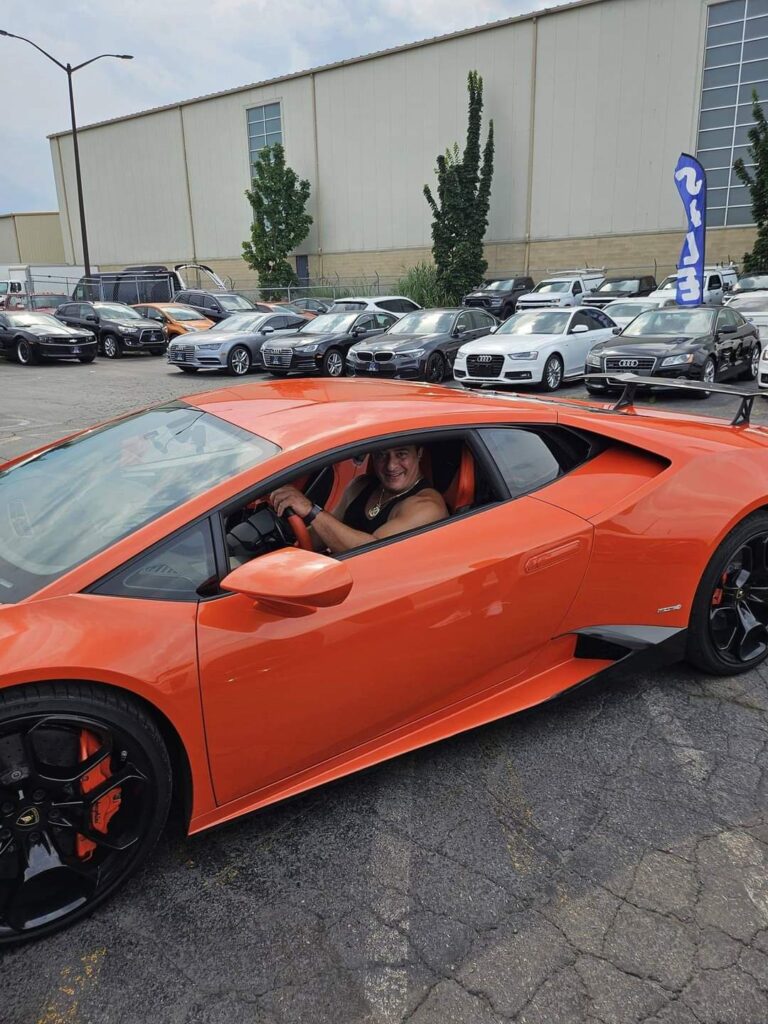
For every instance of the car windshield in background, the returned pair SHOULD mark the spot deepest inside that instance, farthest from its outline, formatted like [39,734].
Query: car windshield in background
[751,284]
[59,508]
[750,304]
[25,319]
[341,307]
[615,309]
[47,301]
[117,312]
[330,323]
[553,286]
[234,302]
[627,284]
[242,322]
[180,314]
[668,283]
[670,323]
[433,321]
[500,286]
[548,321]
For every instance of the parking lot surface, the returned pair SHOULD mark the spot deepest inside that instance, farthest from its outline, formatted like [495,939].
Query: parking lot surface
[603,858]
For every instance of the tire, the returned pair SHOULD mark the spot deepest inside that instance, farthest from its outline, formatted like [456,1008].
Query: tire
[723,595]
[333,363]
[708,374]
[82,870]
[435,370]
[25,354]
[188,369]
[85,359]
[552,375]
[278,373]
[753,369]
[111,347]
[599,392]
[239,361]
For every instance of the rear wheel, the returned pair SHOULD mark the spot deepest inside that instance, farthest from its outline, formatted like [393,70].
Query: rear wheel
[85,787]
[728,631]
[552,377]
[754,365]
[111,346]
[239,361]
[434,372]
[333,363]
[596,391]
[25,354]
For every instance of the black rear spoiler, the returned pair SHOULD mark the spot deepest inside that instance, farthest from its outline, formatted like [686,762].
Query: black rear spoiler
[632,382]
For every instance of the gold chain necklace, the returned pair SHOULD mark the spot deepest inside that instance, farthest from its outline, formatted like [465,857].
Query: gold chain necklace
[374,511]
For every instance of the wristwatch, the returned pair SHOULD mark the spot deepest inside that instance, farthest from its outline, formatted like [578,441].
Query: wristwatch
[313,513]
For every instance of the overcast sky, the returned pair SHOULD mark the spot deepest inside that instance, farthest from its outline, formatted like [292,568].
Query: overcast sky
[182,49]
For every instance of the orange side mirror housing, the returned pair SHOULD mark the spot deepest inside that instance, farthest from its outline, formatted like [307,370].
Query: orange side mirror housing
[292,577]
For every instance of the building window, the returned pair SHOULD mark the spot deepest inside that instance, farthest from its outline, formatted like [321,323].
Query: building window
[264,128]
[735,63]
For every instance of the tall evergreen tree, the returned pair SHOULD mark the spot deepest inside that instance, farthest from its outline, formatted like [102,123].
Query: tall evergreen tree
[460,211]
[757,183]
[280,221]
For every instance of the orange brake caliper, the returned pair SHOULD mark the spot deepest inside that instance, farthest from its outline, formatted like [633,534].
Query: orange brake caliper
[104,809]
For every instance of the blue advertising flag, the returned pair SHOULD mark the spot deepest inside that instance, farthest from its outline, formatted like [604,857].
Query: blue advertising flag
[691,183]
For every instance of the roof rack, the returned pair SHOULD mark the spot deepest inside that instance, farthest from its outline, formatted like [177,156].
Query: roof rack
[632,382]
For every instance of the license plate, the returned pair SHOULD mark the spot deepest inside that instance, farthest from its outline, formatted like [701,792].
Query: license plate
[373,367]
[76,349]
[274,360]
[180,357]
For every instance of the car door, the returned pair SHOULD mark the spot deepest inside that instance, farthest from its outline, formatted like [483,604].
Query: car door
[461,333]
[68,313]
[5,335]
[713,293]
[432,620]
[726,344]
[482,323]
[577,343]
[743,339]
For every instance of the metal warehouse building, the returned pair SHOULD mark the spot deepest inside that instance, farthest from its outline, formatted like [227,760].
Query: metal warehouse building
[592,104]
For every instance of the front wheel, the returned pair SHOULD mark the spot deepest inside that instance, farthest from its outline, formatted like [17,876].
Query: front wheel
[728,631]
[111,347]
[25,354]
[599,392]
[708,375]
[85,359]
[552,377]
[239,361]
[85,787]
[333,363]
[188,369]
[754,364]
[435,370]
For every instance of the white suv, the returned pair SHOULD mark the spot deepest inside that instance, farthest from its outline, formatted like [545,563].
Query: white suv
[399,305]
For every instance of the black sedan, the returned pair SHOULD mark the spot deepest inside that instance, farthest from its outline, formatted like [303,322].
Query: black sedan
[31,337]
[699,344]
[420,346]
[321,345]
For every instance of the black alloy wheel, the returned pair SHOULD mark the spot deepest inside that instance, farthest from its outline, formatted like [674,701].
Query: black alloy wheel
[25,354]
[85,786]
[729,623]
[111,346]
[435,370]
[239,361]
[333,363]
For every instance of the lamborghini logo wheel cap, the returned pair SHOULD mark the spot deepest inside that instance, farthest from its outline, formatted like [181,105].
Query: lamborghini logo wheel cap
[28,818]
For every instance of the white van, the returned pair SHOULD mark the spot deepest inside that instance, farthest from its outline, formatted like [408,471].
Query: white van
[718,282]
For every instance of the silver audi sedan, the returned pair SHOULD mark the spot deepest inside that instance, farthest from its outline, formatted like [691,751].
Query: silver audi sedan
[233,345]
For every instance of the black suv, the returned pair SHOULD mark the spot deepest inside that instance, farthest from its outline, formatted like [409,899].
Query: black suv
[215,305]
[499,296]
[614,289]
[118,328]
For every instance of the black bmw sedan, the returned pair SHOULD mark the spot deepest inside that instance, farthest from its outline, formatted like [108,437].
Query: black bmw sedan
[321,345]
[31,337]
[700,343]
[420,346]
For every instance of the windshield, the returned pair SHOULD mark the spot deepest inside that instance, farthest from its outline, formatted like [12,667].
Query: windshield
[500,286]
[180,313]
[553,286]
[623,284]
[670,323]
[3,287]
[548,321]
[750,304]
[433,321]
[118,312]
[751,284]
[668,283]
[234,302]
[33,320]
[242,322]
[615,309]
[46,301]
[59,508]
[330,323]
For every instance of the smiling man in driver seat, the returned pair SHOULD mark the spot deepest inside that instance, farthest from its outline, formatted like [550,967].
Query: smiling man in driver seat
[394,499]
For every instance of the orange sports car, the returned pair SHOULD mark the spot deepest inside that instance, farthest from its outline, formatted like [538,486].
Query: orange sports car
[235,597]
[177,318]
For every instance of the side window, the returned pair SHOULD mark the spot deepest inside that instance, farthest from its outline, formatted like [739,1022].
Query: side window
[208,302]
[64,310]
[381,321]
[296,322]
[727,318]
[406,306]
[480,320]
[463,322]
[715,282]
[277,323]
[391,305]
[529,459]
[597,321]
[180,569]
[577,289]
[580,320]
[366,323]
[181,297]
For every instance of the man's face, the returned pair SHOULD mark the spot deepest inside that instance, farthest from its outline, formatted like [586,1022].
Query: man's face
[397,468]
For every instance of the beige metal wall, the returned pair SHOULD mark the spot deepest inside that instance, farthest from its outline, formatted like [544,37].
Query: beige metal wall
[611,90]
[31,238]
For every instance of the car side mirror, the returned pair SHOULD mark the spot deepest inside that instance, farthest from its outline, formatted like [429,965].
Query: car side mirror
[267,330]
[459,331]
[579,329]
[493,328]
[727,329]
[291,577]
[92,317]
[616,330]
[357,331]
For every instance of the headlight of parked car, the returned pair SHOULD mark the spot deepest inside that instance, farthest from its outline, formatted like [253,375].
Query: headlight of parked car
[308,349]
[684,357]
[211,346]
[128,330]
[533,354]
[414,353]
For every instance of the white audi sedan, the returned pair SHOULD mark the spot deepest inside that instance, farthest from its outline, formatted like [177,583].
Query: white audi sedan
[538,346]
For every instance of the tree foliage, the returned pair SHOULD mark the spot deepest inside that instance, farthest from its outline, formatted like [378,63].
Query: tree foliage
[757,183]
[280,220]
[460,211]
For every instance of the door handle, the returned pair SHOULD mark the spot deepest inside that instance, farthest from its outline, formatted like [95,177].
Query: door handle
[551,556]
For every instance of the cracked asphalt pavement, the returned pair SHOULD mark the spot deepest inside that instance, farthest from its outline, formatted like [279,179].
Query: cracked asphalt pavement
[600,859]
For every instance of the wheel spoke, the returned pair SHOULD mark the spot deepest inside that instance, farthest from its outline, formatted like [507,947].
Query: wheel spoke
[64,774]
[754,636]
[724,624]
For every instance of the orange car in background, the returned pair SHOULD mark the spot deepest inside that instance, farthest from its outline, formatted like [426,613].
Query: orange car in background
[283,307]
[163,630]
[177,318]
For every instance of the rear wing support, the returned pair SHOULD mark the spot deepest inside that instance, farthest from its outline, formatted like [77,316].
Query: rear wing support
[631,382]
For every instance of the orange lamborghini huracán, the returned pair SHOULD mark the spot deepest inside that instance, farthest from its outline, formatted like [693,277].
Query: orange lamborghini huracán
[164,631]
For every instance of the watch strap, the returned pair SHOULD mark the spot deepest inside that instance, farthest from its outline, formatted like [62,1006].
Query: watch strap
[313,513]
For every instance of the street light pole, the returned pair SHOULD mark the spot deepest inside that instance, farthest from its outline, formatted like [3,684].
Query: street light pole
[78,177]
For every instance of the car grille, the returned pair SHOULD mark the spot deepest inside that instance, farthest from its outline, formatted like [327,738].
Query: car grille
[280,357]
[484,366]
[481,303]
[150,337]
[630,364]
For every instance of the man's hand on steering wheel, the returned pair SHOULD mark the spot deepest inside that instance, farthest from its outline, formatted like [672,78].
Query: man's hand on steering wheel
[287,500]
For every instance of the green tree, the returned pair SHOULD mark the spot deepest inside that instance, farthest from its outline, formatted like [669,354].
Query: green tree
[460,211]
[280,220]
[757,183]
